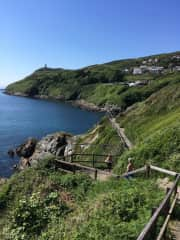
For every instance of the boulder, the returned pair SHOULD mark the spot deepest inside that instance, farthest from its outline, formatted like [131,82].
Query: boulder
[51,145]
[26,149]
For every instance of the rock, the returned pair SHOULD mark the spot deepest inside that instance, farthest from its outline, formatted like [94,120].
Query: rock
[11,153]
[31,152]
[26,149]
[49,146]
[24,162]
[70,147]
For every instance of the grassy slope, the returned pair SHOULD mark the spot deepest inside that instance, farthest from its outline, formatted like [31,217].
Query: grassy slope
[102,140]
[50,205]
[154,126]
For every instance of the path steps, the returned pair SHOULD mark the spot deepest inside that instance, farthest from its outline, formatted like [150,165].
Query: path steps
[121,134]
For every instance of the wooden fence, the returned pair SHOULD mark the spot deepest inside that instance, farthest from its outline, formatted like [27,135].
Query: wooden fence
[165,208]
[92,159]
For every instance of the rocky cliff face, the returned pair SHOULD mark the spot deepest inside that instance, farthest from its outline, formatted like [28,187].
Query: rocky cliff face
[33,151]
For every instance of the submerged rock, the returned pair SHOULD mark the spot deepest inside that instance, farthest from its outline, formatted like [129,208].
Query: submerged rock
[11,153]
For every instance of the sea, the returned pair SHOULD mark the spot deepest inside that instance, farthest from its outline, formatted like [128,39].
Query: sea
[21,118]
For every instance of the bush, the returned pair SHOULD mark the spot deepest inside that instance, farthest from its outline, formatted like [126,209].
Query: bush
[31,215]
[78,184]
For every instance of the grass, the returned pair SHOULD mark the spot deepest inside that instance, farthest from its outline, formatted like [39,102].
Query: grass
[154,127]
[101,140]
[52,205]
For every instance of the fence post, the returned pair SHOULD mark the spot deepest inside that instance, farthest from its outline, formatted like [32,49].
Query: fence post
[148,169]
[176,188]
[95,174]
[71,158]
[167,207]
[74,169]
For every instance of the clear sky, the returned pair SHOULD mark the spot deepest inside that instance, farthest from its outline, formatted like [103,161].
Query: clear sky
[76,33]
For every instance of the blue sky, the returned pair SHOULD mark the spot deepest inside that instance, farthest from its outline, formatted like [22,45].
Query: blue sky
[77,33]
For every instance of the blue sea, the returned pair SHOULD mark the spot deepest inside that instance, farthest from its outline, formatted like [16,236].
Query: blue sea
[21,118]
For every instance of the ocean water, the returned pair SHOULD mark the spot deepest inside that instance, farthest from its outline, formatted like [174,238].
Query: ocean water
[21,118]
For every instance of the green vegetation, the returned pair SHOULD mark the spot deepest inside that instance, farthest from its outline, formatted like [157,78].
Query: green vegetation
[154,127]
[99,84]
[101,140]
[41,203]
[46,204]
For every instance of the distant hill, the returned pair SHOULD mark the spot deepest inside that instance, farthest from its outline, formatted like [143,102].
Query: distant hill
[120,83]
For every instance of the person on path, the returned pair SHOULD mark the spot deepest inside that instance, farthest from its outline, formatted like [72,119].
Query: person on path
[130,168]
[109,162]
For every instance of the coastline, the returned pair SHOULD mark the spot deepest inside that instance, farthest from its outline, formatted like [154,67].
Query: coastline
[76,104]
[81,103]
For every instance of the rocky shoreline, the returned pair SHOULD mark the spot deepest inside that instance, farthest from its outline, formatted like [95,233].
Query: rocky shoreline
[53,145]
[87,106]
[32,151]
[81,103]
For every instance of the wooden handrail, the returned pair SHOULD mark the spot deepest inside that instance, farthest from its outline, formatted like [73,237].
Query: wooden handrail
[158,169]
[143,169]
[163,205]
[77,167]
[164,227]
[148,228]
[90,154]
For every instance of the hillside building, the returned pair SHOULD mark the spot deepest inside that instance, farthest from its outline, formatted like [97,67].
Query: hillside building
[177,68]
[137,71]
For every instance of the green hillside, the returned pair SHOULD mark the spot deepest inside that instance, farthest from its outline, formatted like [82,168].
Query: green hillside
[45,204]
[98,84]
[154,127]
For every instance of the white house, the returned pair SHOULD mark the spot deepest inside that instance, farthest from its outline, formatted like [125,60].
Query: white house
[176,57]
[137,70]
[177,68]
[154,69]
[144,68]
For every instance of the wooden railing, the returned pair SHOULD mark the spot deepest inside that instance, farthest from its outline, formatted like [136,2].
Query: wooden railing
[71,164]
[165,208]
[93,159]
[75,168]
